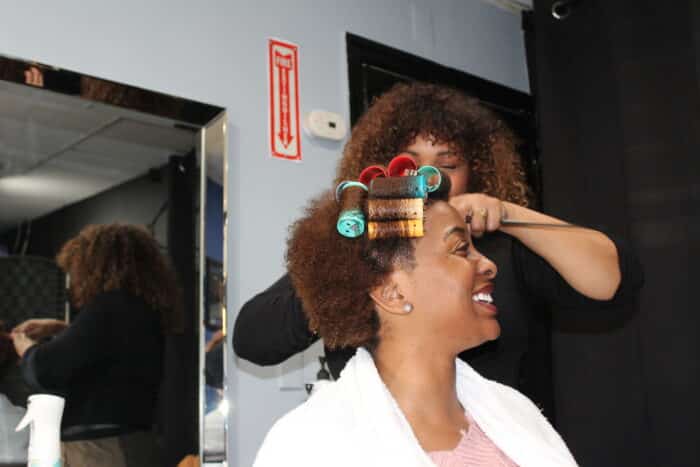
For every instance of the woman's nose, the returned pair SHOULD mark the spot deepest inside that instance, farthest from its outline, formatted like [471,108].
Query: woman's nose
[486,267]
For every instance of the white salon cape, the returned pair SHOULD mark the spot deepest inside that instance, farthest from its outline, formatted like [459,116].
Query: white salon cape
[13,445]
[355,421]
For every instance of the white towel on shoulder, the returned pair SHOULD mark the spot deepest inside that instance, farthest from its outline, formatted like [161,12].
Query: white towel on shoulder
[355,421]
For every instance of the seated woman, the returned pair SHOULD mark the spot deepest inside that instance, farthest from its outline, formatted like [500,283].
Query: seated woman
[108,362]
[411,292]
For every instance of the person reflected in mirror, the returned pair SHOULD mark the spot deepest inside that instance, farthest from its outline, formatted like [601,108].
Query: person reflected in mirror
[108,363]
[410,306]
[541,268]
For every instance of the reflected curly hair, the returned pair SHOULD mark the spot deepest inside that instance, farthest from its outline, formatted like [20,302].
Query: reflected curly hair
[124,257]
[333,275]
[443,115]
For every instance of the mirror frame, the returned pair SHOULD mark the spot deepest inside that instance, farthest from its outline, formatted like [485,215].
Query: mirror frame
[203,304]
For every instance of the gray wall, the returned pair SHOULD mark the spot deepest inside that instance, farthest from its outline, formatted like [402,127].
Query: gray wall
[214,51]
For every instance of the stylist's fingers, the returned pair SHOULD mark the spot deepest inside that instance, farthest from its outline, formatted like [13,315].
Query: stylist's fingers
[21,327]
[33,327]
[464,204]
[495,215]
[28,324]
[469,206]
[479,221]
[21,342]
[34,77]
[483,212]
[37,77]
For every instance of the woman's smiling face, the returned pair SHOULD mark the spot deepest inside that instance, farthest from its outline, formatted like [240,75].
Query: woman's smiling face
[450,285]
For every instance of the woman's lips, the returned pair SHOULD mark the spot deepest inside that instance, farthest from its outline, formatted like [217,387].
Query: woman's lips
[488,306]
[483,299]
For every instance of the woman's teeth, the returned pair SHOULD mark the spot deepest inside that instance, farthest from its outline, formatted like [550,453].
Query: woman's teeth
[482,297]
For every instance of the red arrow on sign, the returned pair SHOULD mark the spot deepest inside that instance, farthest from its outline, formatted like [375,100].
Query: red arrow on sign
[284,64]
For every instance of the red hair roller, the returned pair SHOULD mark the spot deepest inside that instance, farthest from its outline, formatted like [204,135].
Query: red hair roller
[401,165]
[372,172]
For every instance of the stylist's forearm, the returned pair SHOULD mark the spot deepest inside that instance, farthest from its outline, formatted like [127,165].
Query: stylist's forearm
[585,258]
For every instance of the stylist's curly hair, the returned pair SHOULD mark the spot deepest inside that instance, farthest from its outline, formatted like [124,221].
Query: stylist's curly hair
[102,258]
[444,115]
[333,275]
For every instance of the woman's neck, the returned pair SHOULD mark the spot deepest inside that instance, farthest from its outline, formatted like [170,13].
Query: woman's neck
[422,382]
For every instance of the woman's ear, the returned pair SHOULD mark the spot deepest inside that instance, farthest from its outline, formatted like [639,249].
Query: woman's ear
[389,297]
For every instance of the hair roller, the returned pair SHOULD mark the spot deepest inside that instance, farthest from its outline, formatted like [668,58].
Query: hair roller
[370,173]
[437,181]
[399,187]
[351,221]
[394,209]
[409,228]
[400,166]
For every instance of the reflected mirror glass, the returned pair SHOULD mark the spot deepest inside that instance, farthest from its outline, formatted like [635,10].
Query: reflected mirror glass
[77,150]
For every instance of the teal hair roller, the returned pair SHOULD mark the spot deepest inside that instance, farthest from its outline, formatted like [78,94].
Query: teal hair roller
[437,181]
[433,177]
[347,184]
[351,196]
[351,223]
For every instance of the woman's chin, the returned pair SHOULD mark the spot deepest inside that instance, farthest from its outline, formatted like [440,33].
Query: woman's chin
[490,331]
[493,331]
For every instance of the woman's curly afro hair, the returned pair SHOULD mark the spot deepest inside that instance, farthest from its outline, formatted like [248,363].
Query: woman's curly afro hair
[444,115]
[333,275]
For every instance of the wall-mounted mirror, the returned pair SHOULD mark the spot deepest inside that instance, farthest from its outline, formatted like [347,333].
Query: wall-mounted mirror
[77,150]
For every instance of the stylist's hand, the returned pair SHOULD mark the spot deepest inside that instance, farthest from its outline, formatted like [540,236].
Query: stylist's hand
[37,329]
[485,211]
[33,76]
[21,342]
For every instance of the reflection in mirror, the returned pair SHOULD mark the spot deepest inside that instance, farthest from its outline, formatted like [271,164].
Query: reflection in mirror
[77,150]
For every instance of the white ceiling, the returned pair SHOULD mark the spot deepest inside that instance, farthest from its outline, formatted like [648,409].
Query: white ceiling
[56,150]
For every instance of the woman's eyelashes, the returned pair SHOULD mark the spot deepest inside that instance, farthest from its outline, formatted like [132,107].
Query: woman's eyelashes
[462,249]
[466,250]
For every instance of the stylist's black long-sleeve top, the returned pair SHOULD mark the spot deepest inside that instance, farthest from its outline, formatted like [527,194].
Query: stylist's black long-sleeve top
[272,326]
[107,364]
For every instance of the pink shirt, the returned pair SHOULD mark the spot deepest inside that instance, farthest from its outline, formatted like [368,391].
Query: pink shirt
[475,449]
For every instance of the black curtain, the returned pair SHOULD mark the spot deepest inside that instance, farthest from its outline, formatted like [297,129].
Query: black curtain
[618,101]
